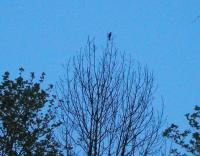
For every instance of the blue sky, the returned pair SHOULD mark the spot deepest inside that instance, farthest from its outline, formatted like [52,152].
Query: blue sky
[40,35]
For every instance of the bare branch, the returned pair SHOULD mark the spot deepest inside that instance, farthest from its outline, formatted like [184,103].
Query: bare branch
[106,100]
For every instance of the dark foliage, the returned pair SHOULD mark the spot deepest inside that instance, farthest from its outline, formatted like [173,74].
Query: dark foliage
[188,139]
[27,119]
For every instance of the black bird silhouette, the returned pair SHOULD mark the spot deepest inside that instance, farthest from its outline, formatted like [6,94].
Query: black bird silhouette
[109,35]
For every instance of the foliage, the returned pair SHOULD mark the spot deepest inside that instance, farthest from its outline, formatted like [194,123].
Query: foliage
[188,139]
[26,117]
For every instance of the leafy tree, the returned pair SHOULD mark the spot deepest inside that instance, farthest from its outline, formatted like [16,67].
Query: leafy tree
[188,139]
[106,101]
[27,119]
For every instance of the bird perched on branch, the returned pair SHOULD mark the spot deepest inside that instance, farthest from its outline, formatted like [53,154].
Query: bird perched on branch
[109,35]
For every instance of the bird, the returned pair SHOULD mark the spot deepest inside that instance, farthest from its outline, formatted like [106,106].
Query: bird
[109,35]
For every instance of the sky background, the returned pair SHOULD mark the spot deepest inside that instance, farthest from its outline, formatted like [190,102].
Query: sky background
[40,35]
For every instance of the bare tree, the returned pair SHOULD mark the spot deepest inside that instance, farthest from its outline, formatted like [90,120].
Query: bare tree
[106,102]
